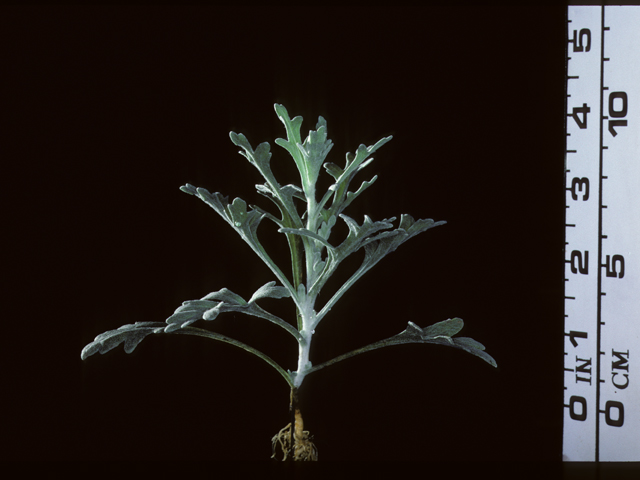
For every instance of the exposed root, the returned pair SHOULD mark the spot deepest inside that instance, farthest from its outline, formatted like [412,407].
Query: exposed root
[303,448]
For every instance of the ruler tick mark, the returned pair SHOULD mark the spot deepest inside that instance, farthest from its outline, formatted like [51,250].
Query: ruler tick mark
[587,435]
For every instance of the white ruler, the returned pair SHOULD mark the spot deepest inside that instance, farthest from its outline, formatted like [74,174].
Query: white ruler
[602,235]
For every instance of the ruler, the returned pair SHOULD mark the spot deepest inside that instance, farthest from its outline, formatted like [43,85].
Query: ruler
[602,235]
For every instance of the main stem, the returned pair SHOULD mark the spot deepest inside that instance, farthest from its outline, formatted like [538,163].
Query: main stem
[294,413]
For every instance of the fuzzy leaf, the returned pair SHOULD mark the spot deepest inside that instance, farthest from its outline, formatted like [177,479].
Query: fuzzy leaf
[315,149]
[358,234]
[244,222]
[334,170]
[437,333]
[447,328]
[442,333]
[354,163]
[292,127]
[259,158]
[283,198]
[211,305]
[270,290]
[225,295]
[131,335]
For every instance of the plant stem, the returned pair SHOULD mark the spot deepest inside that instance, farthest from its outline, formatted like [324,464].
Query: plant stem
[295,246]
[294,412]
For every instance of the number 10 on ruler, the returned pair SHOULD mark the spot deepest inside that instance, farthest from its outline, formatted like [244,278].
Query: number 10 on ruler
[602,235]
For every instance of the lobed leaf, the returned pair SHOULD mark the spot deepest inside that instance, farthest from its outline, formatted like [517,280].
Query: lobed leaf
[314,150]
[259,158]
[358,234]
[292,127]
[440,333]
[343,177]
[211,305]
[270,290]
[130,335]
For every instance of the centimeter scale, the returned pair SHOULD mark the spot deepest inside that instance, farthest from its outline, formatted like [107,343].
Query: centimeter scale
[602,235]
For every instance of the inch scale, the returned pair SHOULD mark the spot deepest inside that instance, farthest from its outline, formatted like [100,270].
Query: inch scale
[602,235]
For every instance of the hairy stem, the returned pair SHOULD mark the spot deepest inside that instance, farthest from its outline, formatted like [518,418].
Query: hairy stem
[297,267]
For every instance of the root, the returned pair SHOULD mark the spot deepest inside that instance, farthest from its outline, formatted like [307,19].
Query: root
[303,448]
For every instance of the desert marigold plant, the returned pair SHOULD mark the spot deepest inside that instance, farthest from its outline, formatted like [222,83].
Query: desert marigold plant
[315,256]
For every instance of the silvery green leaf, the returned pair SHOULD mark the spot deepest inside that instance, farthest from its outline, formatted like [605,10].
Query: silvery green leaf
[334,170]
[314,150]
[469,342]
[318,266]
[293,137]
[413,227]
[415,334]
[375,246]
[408,228]
[351,196]
[357,238]
[268,215]
[354,163]
[359,233]
[225,295]
[270,290]
[222,307]
[475,348]
[325,228]
[245,223]
[188,188]
[193,310]
[442,333]
[213,304]
[362,154]
[446,328]
[131,335]
[324,231]
[283,198]
[259,158]
[236,214]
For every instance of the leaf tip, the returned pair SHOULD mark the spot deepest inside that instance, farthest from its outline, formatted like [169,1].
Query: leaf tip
[188,188]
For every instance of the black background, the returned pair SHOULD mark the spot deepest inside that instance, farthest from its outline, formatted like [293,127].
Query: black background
[109,110]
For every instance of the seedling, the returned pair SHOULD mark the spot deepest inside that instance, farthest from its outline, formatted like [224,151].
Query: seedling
[315,256]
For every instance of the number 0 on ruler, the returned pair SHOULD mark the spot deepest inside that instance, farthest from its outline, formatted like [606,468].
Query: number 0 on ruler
[602,235]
